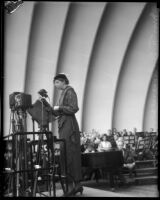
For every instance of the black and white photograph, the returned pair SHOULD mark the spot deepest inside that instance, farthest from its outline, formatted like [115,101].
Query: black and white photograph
[79,99]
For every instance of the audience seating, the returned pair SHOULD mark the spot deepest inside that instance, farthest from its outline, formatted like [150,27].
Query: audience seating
[129,139]
[142,146]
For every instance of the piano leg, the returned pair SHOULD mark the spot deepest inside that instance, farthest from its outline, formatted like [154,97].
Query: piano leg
[111,180]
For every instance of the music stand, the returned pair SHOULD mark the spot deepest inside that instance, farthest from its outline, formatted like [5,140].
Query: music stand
[41,112]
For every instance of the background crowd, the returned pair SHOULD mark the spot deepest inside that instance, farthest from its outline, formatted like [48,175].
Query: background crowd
[135,145]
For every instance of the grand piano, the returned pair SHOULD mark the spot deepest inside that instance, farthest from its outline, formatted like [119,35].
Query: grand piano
[107,159]
[110,161]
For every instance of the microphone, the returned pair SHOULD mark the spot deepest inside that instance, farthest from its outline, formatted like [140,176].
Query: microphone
[43,93]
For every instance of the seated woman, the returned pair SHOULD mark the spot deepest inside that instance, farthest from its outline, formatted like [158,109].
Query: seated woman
[83,143]
[104,145]
[90,148]
[120,139]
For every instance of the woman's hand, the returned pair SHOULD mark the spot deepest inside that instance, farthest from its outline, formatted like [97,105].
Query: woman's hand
[56,108]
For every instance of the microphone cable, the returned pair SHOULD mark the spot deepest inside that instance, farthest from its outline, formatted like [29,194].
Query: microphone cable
[10,123]
[42,112]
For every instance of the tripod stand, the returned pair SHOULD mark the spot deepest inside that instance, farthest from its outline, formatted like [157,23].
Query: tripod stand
[19,154]
[41,112]
[40,161]
[51,168]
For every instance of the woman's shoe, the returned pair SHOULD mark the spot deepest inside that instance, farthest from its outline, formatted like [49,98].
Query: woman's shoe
[78,189]
[113,189]
[70,193]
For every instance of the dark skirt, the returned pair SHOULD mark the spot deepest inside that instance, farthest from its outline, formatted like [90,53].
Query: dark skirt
[69,130]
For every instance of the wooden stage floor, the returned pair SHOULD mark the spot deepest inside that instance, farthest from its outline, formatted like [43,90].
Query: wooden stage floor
[90,190]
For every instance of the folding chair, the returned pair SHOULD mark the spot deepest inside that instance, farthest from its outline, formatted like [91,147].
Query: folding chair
[132,140]
[126,139]
[139,149]
[147,143]
[153,136]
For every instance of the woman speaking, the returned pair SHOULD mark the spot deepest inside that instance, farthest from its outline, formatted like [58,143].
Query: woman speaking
[68,129]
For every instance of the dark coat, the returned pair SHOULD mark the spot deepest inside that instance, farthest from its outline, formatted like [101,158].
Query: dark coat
[69,130]
[128,156]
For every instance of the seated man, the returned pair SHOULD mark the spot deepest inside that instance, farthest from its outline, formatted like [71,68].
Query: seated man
[110,138]
[129,161]
[124,132]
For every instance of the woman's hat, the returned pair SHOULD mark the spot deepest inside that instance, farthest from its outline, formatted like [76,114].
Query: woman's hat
[61,76]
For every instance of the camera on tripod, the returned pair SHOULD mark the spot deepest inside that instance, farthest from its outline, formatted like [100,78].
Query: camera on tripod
[20,100]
